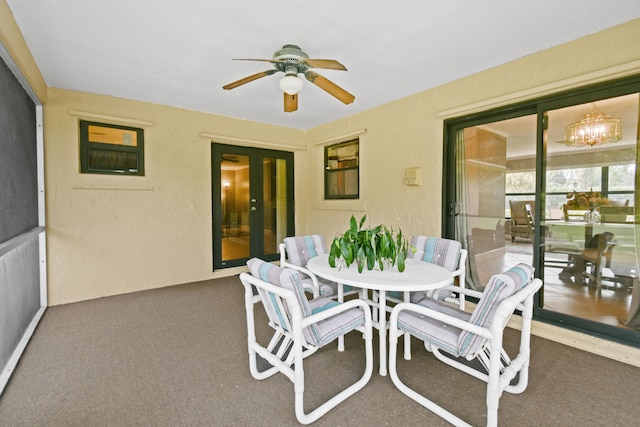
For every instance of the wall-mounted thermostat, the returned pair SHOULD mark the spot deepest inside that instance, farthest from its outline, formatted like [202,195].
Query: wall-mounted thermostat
[413,176]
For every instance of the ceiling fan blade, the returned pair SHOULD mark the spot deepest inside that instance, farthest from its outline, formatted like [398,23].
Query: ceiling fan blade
[329,64]
[249,79]
[290,103]
[330,87]
[253,59]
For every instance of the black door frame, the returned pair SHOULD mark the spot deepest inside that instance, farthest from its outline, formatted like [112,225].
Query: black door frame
[256,219]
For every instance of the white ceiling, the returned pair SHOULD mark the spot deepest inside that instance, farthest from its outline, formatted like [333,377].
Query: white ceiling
[179,53]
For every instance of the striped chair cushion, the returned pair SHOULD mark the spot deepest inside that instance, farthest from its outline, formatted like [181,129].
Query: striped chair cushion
[335,326]
[433,331]
[319,333]
[284,277]
[301,249]
[436,250]
[500,286]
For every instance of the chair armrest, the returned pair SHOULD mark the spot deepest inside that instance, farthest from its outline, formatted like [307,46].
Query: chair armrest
[248,280]
[442,317]
[461,265]
[461,290]
[344,306]
[532,288]
[283,253]
[315,289]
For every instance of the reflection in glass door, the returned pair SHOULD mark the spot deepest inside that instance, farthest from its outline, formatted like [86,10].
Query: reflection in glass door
[570,210]
[588,248]
[494,179]
[236,229]
[252,192]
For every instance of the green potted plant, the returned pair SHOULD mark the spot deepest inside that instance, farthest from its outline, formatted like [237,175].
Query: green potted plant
[370,246]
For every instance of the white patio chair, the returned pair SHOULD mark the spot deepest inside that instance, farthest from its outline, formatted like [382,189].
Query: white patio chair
[301,328]
[446,253]
[295,252]
[472,336]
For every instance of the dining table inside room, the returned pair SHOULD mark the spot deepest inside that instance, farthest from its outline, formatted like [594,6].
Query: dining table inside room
[417,276]
[579,233]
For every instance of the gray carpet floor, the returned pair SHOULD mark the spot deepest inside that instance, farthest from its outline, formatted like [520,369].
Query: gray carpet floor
[177,357]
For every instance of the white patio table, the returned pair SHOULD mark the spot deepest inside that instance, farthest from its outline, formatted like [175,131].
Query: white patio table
[417,276]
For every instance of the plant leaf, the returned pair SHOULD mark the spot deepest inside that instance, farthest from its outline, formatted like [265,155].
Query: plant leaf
[360,258]
[371,259]
[362,220]
[347,252]
[401,261]
[353,225]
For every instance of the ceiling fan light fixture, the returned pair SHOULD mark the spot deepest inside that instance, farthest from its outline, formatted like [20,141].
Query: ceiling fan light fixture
[291,84]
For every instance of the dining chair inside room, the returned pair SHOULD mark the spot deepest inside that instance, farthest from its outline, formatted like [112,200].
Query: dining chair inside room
[558,252]
[596,255]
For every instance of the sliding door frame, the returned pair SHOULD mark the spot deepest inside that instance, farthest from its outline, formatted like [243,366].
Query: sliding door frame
[590,93]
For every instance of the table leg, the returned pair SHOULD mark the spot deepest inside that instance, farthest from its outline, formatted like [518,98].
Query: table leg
[340,299]
[382,323]
[407,335]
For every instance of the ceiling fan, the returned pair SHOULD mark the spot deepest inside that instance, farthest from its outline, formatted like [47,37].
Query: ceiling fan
[291,60]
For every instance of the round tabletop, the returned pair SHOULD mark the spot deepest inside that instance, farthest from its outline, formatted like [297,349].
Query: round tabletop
[417,276]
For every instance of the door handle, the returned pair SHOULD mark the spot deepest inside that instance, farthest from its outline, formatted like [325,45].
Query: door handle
[253,209]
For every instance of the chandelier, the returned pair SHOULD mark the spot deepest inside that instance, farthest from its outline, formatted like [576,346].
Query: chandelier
[593,129]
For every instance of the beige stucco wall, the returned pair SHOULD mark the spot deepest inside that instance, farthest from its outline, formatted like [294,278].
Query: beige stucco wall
[409,133]
[116,234]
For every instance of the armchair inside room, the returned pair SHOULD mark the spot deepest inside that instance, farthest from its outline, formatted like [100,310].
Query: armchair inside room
[456,338]
[520,226]
[300,327]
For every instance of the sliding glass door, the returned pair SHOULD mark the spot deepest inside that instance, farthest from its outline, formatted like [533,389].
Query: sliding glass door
[493,169]
[536,183]
[588,247]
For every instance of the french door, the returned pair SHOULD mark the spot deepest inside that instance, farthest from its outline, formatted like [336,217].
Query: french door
[252,203]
